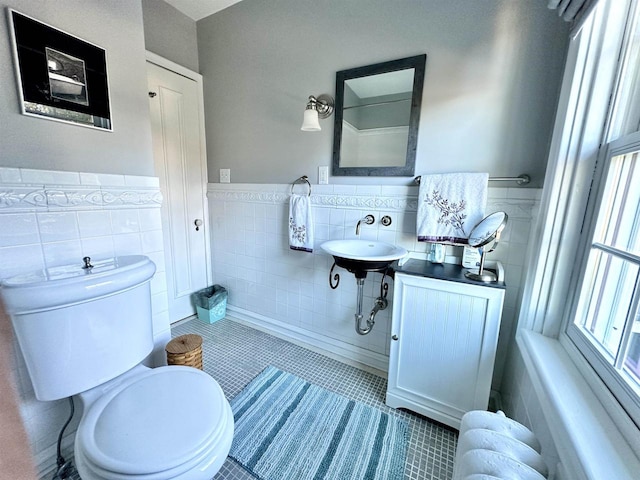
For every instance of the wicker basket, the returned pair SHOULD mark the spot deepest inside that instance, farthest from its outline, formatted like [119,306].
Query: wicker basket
[185,350]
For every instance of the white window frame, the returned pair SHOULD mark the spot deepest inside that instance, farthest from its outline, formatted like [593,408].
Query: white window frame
[624,394]
[619,98]
[578,134]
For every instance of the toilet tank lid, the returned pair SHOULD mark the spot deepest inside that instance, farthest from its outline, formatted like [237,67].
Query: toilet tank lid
[62,285]
[75,272]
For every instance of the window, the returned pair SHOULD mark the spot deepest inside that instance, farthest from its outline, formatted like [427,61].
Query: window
[605,318]
[607,313]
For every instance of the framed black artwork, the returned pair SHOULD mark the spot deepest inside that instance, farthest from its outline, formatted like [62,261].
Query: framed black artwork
[60,77]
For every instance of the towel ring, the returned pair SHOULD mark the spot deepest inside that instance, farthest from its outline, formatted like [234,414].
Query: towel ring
[305,179]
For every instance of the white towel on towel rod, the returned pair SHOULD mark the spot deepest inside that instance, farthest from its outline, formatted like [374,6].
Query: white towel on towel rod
[450,205]
[300,223]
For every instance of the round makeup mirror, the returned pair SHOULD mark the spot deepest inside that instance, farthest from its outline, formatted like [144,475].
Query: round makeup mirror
[486,231]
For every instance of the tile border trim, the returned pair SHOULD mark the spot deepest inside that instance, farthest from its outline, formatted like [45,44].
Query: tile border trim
[85,192]
[399,199]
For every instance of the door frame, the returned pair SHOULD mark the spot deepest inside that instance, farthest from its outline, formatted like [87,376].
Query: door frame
[196,77]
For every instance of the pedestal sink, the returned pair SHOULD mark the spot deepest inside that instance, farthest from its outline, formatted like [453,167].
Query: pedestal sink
[360,257]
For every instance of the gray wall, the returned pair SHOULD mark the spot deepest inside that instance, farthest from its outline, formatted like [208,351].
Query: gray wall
[492,80]
[170,33]
[30,142]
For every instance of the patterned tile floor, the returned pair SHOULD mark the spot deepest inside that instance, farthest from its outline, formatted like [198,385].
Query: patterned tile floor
[234,354]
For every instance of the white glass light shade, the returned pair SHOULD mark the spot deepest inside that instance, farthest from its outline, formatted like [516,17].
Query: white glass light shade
[310,122]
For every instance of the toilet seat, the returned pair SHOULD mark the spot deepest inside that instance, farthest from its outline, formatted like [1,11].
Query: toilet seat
[158,424]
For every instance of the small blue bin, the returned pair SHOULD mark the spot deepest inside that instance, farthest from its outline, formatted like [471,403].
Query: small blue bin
[211,303]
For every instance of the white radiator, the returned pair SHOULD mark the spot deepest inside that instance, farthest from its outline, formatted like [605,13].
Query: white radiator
[494,447]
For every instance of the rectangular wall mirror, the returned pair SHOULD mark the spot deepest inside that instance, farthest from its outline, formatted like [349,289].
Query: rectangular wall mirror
[377,116]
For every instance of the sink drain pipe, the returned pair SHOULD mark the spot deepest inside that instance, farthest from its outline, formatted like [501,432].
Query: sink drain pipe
[381,304]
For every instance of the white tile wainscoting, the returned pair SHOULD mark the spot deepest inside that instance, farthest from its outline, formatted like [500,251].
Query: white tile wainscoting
[287,291]
[50,218]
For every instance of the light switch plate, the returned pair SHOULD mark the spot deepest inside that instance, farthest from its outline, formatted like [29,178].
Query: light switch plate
[323,175]
[225,175]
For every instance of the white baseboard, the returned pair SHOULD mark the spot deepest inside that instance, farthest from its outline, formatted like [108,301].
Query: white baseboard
[350,354]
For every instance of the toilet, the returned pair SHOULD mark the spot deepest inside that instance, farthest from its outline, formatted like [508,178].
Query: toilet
[85,331]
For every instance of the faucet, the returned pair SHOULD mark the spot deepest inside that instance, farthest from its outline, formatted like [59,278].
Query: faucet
[369,219]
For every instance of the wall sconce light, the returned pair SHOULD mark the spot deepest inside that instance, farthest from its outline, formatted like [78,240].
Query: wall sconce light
[320,107]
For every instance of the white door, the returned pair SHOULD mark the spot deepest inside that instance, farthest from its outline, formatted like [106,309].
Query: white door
[178,149]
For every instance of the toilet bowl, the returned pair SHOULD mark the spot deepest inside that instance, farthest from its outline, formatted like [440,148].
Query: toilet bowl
[166,422]
[85,332]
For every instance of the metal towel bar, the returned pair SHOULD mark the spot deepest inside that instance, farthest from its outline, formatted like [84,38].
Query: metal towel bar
[520,179]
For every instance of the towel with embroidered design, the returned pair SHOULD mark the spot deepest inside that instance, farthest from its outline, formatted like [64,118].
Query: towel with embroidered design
[449,206]
[300,223]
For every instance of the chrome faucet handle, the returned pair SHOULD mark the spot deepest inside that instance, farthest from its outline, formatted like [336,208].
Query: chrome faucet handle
[369,220]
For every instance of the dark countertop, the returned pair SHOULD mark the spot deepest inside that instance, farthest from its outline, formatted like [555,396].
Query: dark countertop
[441,271]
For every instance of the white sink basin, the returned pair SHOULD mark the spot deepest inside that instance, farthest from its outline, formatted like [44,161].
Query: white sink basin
[364,250]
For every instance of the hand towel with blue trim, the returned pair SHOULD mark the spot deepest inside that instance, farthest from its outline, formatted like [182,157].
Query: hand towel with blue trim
[300,223]
[449,206]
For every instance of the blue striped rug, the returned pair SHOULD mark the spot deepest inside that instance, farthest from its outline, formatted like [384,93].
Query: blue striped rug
[289,429]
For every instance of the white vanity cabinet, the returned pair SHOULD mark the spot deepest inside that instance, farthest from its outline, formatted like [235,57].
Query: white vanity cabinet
[444,337]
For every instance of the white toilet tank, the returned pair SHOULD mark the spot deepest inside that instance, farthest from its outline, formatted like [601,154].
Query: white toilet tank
[80,327]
